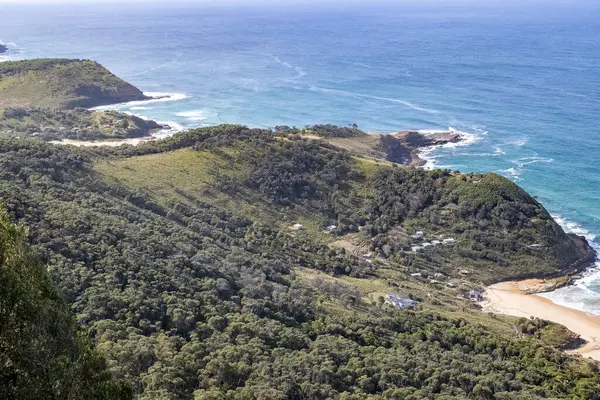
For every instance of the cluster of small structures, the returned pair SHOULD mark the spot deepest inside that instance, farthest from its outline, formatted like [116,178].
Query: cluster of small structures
[419,236]
[474,295]
[403,302]
[439,278]
[399,301]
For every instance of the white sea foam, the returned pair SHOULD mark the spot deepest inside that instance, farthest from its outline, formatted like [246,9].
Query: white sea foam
[514,173]
[299,71]
[12,50]
[430,154]
[174,127]
[521,162]
[197,115]
[157,97]
[573,227]
[579,295]
[368,96]
[498,150]
[518,142]
[140,108]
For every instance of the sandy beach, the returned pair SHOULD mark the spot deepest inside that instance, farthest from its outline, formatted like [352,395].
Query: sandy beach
[508,298]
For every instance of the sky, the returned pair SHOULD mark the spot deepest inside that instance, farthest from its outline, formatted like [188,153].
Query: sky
[433,5]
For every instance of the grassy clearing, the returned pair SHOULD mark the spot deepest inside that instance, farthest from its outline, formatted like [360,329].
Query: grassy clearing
[160,174]
[187,174]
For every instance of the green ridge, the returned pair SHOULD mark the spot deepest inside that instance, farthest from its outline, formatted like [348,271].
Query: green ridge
[178,259]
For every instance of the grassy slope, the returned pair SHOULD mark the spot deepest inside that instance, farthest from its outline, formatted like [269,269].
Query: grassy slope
[61,83]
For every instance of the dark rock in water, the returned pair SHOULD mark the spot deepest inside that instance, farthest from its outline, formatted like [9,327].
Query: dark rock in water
[3,48]
[413,139]
[403,147]
[417,139]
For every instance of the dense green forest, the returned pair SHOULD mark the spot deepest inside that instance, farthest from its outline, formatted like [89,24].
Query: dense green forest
[43,354]
[178,260]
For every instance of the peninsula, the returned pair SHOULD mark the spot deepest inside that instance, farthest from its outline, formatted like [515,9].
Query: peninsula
[47,99]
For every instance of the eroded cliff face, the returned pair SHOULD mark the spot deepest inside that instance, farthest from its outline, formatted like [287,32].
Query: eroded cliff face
[93,96]
[395,151]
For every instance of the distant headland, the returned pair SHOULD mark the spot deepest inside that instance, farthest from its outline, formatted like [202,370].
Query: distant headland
[49,98]
[62,84]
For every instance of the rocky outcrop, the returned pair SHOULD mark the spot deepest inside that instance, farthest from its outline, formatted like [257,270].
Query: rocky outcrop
[403,147]
[416,139]
[3,48]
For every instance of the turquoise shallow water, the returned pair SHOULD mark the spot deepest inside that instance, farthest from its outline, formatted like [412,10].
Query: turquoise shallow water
[523,83]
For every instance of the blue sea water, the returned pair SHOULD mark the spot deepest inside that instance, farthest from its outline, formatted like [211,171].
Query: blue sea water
[522,82]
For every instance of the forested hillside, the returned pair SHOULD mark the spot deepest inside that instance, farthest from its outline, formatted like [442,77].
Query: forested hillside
[78,124]
[180,260]
[43,355]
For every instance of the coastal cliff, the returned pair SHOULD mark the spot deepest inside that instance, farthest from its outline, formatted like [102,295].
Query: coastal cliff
[62,84]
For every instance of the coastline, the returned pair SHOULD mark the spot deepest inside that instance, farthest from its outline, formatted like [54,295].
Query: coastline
[424,156]
[508,298]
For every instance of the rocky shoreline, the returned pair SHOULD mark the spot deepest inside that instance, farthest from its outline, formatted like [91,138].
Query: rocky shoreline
[550,282]
[405,147]
[401,148]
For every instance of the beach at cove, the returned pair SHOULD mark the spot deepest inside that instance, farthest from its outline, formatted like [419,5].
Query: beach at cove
[508,298]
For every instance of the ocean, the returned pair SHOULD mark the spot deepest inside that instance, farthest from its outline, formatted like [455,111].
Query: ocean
[521,82]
